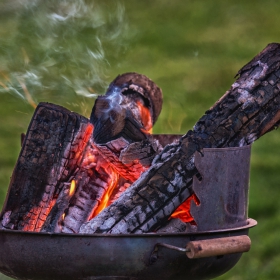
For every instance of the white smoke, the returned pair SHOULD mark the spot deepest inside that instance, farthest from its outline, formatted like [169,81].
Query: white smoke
[61,47]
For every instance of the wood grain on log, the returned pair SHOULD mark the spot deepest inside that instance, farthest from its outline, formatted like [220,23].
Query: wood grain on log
[49,156]
[247,111]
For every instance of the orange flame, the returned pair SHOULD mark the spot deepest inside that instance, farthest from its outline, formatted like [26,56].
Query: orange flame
[183,211]
[72,187]
[145,118]
[84,142]
[105,201]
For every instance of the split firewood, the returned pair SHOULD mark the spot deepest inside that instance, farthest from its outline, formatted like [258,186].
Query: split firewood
[247,111]
[50,154]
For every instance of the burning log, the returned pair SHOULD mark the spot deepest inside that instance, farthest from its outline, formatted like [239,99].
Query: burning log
[50,155]
[128,110]
[92,182]
[246,112]
[121,119]
[121,147]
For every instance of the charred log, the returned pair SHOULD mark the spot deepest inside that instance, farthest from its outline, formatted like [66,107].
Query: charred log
[247,111]
[128,110]
[50,155]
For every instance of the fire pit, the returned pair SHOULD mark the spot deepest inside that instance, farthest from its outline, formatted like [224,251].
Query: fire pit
[102,198]
[204,251]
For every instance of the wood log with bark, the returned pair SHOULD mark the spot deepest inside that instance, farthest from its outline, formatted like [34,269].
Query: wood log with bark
[247,111]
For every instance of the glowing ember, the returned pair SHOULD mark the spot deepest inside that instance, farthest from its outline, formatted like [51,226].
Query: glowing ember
[183,211]
[84,142]
[72,187]
[105,201]
[145,118]
[131,171]
[35,218]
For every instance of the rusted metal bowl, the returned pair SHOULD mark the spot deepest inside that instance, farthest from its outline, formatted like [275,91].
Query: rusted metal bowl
[29,255]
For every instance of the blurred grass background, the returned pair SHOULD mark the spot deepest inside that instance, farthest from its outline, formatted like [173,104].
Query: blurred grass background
[192,50]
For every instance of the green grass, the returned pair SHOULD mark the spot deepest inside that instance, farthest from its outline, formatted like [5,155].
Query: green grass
[192,50]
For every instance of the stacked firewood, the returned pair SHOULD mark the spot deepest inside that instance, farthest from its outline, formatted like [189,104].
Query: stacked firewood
[70,168]
[109,174]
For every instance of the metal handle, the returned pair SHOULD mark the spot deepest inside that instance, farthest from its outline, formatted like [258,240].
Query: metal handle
[211,247]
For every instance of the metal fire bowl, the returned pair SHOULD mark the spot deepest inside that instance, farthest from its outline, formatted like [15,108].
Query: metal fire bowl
[30,255]
[222,190]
